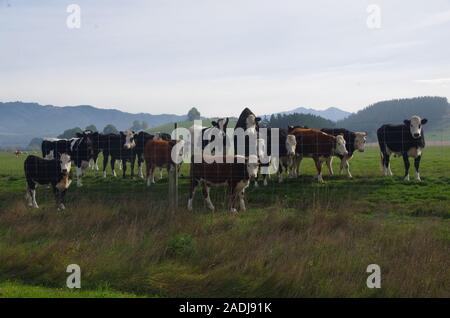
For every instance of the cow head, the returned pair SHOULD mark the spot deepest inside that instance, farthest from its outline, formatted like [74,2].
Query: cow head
[360,141]
[220,124]
[65,163]
[252,166]
[251,122]
[415,126]
[291,144]
[129,139]
[340,146]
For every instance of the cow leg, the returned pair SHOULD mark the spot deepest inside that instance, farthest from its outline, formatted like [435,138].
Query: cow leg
[417,166]
[297,162]
[29,195]
[347,167]
[256,184]
[148,168]
[132,162]
[266,177]
[79,174]
[113,161]
[96,165]
[207,197]
[233,199]
[61,200]
[330,165]
[387,165]
[105,163]
[407,165]
[33,196]
[242,201]
[281,167]
[120,164]
[150,174]
[153,173]
[194,184]
[140,172]
[318,163]
[160,175]
[59,197]
[124,167]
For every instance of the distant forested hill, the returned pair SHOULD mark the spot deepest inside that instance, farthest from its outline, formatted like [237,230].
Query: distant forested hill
[311,121]
[395,111]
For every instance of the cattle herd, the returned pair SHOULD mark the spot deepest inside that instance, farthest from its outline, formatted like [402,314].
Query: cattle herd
[258,150]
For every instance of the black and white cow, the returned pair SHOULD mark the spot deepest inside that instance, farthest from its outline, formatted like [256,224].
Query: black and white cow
[250,124]
[80,150]
[405,140]
[286,153]
[47,171]
[354,141]
[204,136]
[99,142]
[119,147]
[140,139]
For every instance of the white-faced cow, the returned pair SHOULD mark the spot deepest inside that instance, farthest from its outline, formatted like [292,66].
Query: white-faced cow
[286,153]
[405,140]
[354,141]
[318,145]
[80,150]
[201,137]
[119,147]
[236,173]
[47,171]
[249,123]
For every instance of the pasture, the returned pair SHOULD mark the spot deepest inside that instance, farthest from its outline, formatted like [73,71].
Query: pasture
[296,239]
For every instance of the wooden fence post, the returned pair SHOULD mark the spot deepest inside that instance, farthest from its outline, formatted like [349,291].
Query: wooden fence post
[173,184]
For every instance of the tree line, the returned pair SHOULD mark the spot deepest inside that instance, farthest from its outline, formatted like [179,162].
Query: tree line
[295,119]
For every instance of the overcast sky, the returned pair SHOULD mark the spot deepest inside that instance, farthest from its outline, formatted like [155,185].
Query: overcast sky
[164,56]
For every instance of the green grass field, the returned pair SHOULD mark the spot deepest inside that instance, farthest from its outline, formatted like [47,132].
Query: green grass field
[297,239]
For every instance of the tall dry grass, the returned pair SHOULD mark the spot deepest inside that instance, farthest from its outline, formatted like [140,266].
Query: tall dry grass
[317,249]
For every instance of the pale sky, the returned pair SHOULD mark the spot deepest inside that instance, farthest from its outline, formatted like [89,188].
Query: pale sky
[165,56]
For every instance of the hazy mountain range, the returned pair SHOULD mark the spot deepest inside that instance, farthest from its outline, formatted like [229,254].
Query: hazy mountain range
[331,113]
[20,122]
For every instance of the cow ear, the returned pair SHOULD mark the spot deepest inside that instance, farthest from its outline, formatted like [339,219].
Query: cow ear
[290,127]
[226,122]
[214,123]
[424,121]
[79,135]
[407,122]
[257,119]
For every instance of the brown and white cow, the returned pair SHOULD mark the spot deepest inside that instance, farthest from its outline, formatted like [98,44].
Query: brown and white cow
[235,171]
[354,141]
[318,145]
[162,154]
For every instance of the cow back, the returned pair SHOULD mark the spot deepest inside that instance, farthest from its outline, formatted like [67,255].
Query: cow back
[313,142]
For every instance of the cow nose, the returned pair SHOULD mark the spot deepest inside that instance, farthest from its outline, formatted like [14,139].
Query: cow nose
[416,135]
[64,171]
